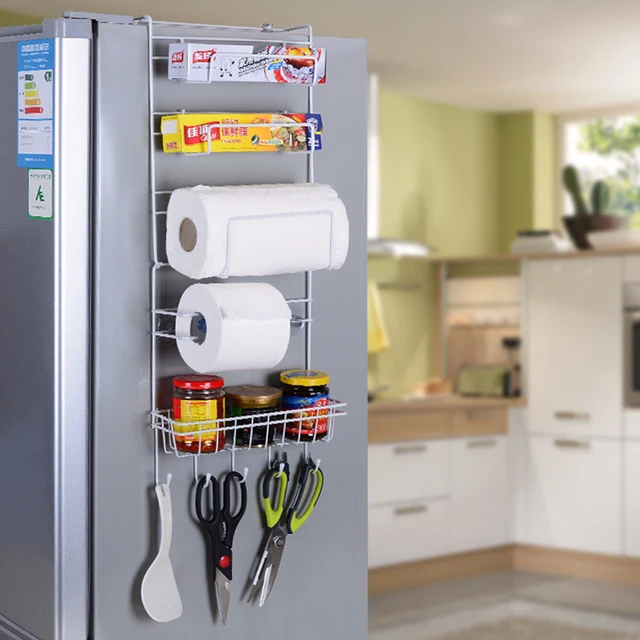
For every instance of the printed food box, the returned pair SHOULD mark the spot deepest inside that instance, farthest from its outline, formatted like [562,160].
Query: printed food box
[243,63]
[203,132]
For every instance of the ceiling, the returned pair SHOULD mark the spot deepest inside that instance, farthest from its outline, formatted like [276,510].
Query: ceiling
[499,55]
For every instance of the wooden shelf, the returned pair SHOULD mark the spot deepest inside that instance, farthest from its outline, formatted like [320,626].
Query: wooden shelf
[444,403]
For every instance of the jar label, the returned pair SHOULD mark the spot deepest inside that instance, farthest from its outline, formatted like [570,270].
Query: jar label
[188,413]
[307,422]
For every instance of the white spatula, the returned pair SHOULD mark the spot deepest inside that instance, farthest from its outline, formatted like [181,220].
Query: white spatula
[160,595]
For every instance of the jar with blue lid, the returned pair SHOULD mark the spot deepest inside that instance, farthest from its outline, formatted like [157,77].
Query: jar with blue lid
[306,395]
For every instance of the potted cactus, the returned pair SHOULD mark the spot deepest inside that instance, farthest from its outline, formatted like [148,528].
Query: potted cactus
[584,221]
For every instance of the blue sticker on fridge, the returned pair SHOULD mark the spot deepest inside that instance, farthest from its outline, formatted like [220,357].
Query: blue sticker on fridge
[36,64]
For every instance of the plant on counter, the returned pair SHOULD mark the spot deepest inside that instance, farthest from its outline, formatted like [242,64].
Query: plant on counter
[600,193]
[600,197]
[585,221]
[571,181]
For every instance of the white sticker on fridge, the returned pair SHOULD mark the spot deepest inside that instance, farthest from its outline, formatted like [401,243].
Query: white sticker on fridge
[40,193]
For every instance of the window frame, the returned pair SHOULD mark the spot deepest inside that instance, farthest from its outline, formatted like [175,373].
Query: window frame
[571,117]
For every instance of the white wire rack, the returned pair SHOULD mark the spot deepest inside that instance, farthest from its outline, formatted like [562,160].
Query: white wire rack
[235,223]
[161,420]
[271,49]
[256,57]
[312,140]
[266,429]
[169,332]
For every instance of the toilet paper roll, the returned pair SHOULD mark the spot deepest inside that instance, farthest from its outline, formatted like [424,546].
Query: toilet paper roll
[256,230]
[239,326]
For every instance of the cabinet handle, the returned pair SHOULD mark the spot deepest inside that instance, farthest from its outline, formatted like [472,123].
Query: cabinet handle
[480,415]
[572,444]
[481,444]
[572,415]
[413,448]
[410,511]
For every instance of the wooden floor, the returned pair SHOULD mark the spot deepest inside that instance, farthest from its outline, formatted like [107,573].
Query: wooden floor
[554,562]
[437,570]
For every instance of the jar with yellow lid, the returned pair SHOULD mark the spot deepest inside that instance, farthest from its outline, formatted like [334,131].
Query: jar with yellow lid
[249,401]
[197,401]
[306,391]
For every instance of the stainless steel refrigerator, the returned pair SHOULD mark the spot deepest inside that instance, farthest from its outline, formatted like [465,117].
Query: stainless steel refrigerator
[78,517]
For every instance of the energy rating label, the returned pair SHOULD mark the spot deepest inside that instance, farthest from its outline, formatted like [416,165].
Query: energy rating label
[35,103]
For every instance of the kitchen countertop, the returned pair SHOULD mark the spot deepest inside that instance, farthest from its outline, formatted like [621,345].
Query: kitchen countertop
[439,417]
[440,403]
[514,257]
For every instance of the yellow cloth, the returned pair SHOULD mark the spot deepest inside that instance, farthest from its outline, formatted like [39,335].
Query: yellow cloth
[377,337]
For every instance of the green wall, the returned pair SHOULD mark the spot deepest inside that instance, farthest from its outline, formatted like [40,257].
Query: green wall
[463,182]
[439,168]
[515,171]
[439,175]
[10,19]
[528,173]
[546,172]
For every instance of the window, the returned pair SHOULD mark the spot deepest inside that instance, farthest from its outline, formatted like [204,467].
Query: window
[606,148]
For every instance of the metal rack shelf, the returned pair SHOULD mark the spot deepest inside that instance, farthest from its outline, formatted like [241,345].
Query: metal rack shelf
[166,329]
[281,421]
[312,126]
[295,37]
[275,429]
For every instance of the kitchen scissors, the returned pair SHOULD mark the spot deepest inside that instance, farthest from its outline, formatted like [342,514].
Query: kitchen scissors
[281,523]
[221,526]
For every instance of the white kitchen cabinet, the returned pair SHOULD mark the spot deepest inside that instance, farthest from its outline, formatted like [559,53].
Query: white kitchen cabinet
[480,493]
[519,474]
[631,269]
[632,499]
[405,471]
[632,423]
[574,342]
[575,497]
[408,532]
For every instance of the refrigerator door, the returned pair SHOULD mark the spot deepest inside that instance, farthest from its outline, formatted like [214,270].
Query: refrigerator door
[44,352]
[321,589]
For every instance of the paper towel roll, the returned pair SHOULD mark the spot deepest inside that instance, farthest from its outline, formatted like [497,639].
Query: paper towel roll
[256,230]
[247,327]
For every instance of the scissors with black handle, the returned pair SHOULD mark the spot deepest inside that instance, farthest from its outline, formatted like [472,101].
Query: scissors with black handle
[221,527]
[282,522]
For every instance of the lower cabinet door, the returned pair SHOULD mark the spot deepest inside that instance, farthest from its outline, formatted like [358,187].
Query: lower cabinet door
[408,532]
[632,499]
[406,471]
[480,504]
[575,497]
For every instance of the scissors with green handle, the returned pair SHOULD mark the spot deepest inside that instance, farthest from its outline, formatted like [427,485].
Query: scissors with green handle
[283,522]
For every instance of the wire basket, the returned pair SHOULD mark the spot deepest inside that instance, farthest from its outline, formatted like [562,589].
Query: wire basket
[259,430]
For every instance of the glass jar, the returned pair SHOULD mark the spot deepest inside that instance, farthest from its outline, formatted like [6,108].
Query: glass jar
[308,391]
[196,399]
[251,400]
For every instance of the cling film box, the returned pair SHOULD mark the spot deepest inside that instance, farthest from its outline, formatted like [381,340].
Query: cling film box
[201,132]
[289,64]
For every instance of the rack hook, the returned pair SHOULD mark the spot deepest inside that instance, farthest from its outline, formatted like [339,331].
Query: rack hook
[165,487]
[233,467]
[208,481]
